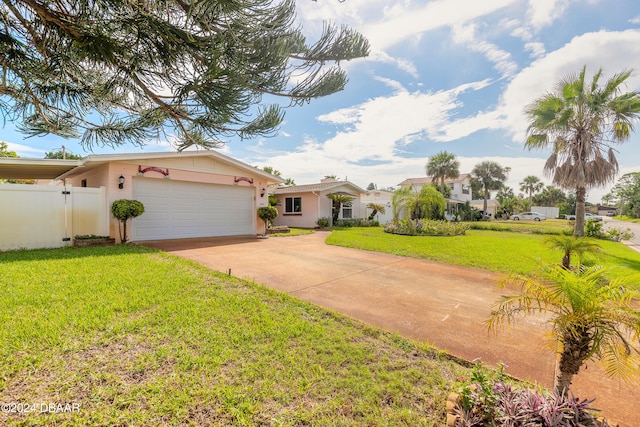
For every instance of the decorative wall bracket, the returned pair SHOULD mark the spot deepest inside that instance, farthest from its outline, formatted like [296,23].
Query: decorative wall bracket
[142,171]
[242,178]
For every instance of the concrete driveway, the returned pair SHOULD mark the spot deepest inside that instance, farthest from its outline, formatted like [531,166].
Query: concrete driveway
[443,305]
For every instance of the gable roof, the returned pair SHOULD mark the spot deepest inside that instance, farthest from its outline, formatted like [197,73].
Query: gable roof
[429,180]
[24,168]
[321,186]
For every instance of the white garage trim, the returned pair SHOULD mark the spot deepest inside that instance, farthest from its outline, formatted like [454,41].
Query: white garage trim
[181,209]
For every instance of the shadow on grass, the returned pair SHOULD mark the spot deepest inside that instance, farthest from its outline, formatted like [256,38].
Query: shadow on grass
[72,252]
[626,261]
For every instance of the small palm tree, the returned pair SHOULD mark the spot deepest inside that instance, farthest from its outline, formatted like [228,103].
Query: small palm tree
[571,245]
[337,201]
[427,203]
[375,209]
[590,317]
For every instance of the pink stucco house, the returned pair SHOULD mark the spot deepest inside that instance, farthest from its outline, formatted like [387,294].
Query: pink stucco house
[302,205]
[187,194]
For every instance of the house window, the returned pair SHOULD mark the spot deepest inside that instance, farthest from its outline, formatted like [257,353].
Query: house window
[347,212]
[83,183]
[293,205]
[465,189]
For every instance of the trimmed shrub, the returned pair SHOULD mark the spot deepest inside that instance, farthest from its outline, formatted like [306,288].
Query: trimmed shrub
[268,214]
[356,222]
[322,222]
[124,209]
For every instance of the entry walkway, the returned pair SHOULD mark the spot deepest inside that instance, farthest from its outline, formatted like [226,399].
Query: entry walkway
[440,304]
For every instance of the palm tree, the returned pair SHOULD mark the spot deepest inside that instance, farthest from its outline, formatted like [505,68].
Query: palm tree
[375,209]
[490,176]
[531,184]
[427,203]
[550,196]
[337,201]
[589,317]
[442,166]
[580,121]
[571,245]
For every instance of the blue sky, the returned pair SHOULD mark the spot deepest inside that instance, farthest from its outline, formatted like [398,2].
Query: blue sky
[449,75]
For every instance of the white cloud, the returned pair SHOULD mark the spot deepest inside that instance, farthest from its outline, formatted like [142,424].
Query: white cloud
[536,48]
[543,13]
[403,64]
[635,20]
[410,22]
[610,50]
[466,35]
[25,150]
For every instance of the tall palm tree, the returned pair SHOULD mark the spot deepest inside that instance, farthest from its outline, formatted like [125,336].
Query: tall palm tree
[590,318]
[442,166]
[531,184]
[580,121]
[490,176]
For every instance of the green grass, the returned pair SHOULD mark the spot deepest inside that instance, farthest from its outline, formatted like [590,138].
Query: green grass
[550,226]
[140,337]
[627,219]
[503,252]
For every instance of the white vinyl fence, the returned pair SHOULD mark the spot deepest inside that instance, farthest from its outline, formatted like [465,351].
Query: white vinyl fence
[40,216]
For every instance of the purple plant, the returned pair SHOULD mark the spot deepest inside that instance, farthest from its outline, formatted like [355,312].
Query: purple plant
[485,402]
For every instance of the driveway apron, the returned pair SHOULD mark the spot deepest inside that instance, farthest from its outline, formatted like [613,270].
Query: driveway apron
[445,306]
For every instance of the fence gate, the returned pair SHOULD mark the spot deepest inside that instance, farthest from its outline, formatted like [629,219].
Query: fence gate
[41,216]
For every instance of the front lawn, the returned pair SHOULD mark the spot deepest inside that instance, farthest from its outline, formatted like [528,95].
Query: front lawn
[505,252]
[132,336]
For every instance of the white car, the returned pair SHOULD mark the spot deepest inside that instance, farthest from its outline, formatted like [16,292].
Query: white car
[535,216]
[592,217]
[587,216]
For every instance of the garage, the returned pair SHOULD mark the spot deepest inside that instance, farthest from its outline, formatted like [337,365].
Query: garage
[181,209]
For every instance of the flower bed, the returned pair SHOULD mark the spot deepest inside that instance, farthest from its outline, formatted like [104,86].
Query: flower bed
[278,229]
[91,240]
[424,227]
[485,401]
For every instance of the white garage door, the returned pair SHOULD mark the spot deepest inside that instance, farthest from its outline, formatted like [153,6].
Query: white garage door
[178,209]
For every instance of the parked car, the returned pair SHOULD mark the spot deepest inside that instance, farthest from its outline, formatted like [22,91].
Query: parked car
[587,216]
[593,217]
[535,216]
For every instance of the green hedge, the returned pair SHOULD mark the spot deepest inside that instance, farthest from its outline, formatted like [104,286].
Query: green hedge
[424,227]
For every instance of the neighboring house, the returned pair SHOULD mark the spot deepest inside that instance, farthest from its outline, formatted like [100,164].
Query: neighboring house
[187,194]
[492,206]
[460,190]
[302,205]
[607,210]
[382,198]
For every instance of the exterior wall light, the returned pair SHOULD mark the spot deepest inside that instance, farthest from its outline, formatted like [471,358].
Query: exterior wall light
[262,192]
[121,182]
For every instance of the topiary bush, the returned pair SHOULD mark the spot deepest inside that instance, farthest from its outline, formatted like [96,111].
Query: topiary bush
[123,210]
[267,214]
